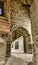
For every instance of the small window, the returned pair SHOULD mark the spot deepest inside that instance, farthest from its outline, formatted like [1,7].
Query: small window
[0,11]
[1,8]
[16,45]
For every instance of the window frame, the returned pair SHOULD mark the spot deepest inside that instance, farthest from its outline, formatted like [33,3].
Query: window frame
[17,45]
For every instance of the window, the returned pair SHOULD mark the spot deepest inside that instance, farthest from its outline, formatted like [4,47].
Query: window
[0,11]
[16,45]
[1,8]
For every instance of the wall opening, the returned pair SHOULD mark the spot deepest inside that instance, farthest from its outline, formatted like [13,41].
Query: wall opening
[16,45]
[1,8]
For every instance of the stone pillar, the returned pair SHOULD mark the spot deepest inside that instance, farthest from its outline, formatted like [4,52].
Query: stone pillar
[2,50]
[29,46]
[34,22]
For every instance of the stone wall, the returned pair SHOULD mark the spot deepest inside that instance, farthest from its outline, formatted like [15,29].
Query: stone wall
[34,21]
[2,50]
[5,17]
[19,15]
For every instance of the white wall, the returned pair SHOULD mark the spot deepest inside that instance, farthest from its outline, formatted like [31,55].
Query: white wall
[21,46]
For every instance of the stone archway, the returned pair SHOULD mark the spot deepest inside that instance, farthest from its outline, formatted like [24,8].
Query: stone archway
[27,40]
[15,35]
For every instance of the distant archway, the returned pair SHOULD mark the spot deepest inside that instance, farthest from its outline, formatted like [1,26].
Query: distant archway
[15,35]
[22,32]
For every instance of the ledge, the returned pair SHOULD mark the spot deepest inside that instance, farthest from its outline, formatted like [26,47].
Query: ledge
[3,18]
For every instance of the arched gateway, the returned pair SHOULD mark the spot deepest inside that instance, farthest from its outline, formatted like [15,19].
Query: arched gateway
[26,37]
